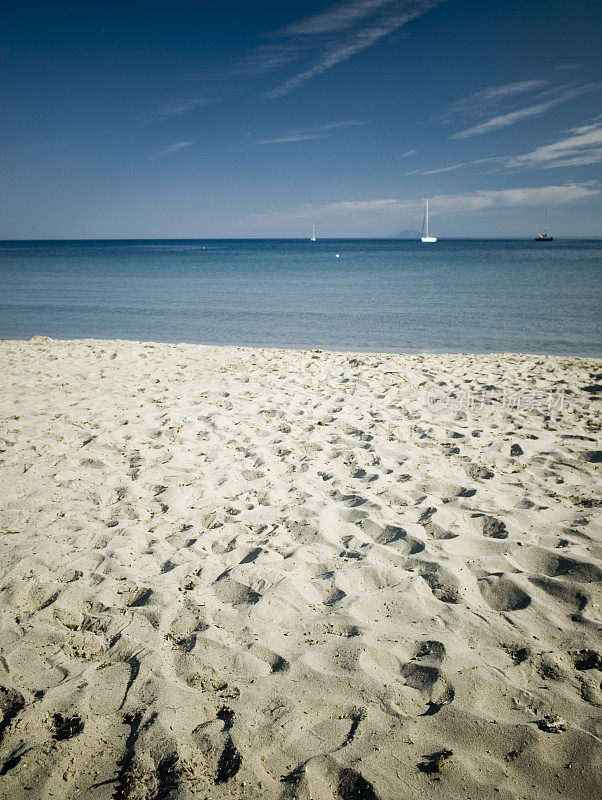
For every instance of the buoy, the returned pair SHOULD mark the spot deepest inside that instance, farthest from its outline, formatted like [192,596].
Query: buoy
[337,255]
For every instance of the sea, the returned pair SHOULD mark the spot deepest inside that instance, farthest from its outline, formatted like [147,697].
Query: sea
[386,295]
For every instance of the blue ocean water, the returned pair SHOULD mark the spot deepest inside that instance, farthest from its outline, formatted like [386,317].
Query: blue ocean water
[379,295]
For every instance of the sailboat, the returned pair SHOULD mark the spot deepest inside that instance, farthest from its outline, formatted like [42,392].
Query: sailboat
[545,236]
[312,238]
[426,236]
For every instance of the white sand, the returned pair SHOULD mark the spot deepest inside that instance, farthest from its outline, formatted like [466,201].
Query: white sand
[237,573]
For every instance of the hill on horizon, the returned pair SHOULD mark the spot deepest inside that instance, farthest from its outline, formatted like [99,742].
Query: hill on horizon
[409,233]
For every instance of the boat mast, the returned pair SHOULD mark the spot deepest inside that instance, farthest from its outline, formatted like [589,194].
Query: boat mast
[427,217]
[546,230]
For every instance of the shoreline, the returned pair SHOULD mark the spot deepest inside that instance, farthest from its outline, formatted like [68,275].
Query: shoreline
[235,572]
[42,338]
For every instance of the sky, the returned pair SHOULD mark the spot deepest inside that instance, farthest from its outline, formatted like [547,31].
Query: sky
[239,119]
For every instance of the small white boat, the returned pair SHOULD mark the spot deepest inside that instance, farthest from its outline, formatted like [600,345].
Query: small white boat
[312,238]
[426,236]
[545,236]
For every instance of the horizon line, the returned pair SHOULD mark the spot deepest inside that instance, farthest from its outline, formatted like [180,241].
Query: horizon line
[296,239]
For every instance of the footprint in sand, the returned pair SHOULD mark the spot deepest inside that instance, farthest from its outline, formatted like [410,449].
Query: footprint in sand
[423,673]
[392,536]
[540,560]
[441,581]
[494,528]
[502,594]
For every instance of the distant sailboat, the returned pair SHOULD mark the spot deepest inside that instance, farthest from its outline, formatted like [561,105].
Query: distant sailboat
[426,236]
[312,238]
[545,236]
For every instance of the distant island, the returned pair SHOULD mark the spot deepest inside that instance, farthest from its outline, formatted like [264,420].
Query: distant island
[408,233]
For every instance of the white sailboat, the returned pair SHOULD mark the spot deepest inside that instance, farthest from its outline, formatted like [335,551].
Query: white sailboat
[426,236]
[312,238]
[545,236]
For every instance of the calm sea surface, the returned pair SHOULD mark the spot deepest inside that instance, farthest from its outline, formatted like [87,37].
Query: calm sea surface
[387,295]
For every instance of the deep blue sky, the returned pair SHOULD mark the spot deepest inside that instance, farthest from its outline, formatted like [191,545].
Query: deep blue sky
[199,119]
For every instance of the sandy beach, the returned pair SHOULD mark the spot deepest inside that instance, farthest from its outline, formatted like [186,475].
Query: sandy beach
[253,573]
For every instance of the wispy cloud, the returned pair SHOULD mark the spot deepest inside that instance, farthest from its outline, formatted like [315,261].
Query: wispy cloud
[315,44]
[306,134]
[408,153]
[490,97]
[568,67]
[259,61]
[448,204]
[453,167]
[292,137]
[521,196]
[170,150]
[176,108]
[582,147]
[335,35]
[534,110]
[339,17]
